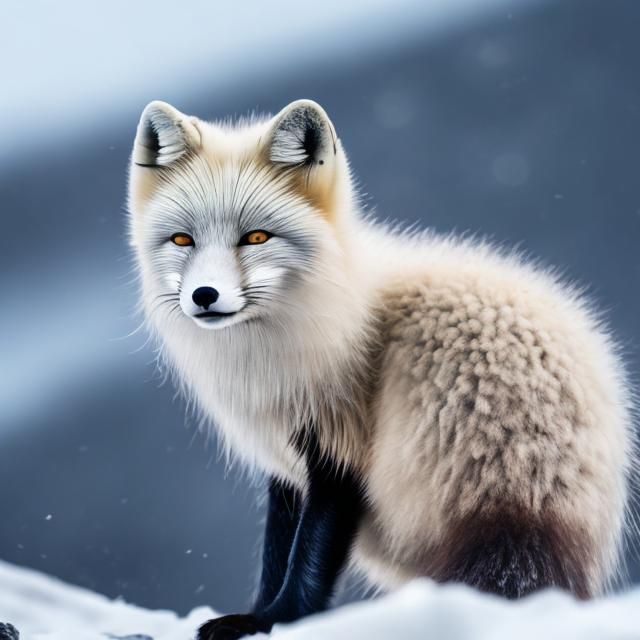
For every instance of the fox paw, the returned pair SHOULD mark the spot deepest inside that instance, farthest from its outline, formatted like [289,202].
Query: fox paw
[8,632]
[231,627]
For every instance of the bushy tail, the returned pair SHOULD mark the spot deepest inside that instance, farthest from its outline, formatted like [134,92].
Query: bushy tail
[512,553]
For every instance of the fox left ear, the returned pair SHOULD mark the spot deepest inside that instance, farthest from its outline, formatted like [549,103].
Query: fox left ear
[164,134]
[302,134]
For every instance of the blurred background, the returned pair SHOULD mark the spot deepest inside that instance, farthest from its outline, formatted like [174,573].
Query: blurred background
[514,119]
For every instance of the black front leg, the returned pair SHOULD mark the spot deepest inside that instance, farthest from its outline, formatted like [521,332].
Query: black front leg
[327,528]
[328,523]
[283,517]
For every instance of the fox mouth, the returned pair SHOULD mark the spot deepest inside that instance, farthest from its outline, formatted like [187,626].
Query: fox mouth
[216,319]
[215,314]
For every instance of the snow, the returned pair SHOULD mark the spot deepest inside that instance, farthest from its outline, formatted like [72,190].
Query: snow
[43,608]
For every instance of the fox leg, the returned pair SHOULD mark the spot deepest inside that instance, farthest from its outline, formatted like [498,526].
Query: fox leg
[327,525]
[283,516]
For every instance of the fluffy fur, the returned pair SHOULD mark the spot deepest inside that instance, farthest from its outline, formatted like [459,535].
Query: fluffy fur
[478,398]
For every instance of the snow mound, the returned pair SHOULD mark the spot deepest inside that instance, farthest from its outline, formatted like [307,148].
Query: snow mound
[43,608]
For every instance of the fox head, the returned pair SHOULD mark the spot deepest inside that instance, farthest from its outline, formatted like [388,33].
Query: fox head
[238,222]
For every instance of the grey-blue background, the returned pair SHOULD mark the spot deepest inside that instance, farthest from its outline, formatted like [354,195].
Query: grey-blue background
[519,120]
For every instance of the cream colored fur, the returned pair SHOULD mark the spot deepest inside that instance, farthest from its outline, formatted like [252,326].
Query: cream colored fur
[452,376]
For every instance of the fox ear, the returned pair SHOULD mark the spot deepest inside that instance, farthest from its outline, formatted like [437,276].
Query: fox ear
[302,134]
[164,135]
[301,137]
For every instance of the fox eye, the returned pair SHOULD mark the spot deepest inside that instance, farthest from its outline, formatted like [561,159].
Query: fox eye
[182,239]
[255,237]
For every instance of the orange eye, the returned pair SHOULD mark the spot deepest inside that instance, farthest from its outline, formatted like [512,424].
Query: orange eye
[182,239]
[255,237]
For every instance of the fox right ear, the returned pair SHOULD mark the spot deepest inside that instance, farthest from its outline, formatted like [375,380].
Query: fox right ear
[164,135]
[302,134]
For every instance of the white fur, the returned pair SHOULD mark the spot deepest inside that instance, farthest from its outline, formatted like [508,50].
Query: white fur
[450,375]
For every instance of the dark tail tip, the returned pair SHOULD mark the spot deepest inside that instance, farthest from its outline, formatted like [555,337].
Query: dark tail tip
[513,553]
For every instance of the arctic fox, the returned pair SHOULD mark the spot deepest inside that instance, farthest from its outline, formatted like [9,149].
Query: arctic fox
[422,406]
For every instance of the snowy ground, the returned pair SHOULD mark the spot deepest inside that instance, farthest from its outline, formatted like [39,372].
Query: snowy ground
[43,608]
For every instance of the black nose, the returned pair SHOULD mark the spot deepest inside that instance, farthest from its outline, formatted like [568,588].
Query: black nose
[205,296]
